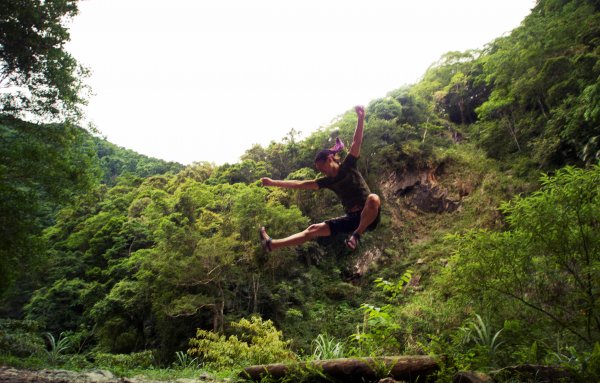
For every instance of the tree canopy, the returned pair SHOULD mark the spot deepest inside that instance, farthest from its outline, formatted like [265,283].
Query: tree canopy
[37,75]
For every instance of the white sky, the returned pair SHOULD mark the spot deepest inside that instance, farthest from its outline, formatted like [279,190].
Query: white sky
[204,80]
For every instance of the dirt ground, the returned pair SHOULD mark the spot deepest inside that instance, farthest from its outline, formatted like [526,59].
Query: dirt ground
[13,375]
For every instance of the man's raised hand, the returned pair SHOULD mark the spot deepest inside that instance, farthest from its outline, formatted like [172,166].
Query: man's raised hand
[360,111]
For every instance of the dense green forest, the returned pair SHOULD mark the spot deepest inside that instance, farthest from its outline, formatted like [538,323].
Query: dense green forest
[488,254]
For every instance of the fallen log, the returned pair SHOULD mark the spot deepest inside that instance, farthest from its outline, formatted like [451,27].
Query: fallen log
[406,368]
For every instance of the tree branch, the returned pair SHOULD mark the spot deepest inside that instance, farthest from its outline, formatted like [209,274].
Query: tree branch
[548,314]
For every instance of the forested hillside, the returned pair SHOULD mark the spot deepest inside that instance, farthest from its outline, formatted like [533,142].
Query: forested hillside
[46,168]
[488,254]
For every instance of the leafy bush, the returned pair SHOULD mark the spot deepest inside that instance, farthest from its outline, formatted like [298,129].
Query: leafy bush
[380,332]
[468,348]
[546,266]
[258,342]
[585,364]
[20,338]
[144,359]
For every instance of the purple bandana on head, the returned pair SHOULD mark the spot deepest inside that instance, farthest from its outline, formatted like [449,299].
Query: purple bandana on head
[339,145]
[323,154]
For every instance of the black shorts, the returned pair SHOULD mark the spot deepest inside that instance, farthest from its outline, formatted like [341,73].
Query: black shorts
[349,222]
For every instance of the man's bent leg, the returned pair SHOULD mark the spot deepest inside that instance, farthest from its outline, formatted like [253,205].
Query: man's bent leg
[369,213]
[367,217]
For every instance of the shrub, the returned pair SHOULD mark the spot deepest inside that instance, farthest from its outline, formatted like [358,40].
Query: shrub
[545,268]
[257,342]
[144,359]
[380,332]
[20,338]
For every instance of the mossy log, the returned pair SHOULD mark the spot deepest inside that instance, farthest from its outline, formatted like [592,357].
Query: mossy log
[406,368]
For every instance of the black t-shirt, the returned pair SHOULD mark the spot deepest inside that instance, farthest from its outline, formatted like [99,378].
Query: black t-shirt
[348,184]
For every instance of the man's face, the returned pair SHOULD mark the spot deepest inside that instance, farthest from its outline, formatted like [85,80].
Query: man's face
[328,166]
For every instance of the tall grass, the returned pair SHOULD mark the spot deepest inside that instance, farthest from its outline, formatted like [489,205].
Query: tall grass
[325,347]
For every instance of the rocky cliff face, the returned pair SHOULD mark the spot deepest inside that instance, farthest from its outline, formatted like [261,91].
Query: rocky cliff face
[409,194]
[418,189]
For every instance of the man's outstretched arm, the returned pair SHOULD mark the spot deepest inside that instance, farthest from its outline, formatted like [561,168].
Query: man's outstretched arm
[290,184]
[358,132]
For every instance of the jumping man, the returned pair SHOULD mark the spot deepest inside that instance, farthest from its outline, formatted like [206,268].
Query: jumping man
[361,206]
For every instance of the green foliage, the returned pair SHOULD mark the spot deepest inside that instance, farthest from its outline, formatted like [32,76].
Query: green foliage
[117,257]
[452,356]
[542,78]
[60,306]
[547,263]
[380,332]
[394,290]
[473,346]
[591,368]
[116,162]
[20,338]
[248,171]
[43,168]
[183,361]
[454,87]
[33,56]
[144,360]
[583,365]
[57,347]
[256,342]
[326,347]
[385,109]
[481,333]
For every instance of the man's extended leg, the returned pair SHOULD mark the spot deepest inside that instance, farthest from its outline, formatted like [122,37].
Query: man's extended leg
[367,217]
[310,233]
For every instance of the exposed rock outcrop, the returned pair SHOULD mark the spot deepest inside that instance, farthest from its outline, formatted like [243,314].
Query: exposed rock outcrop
[418,189]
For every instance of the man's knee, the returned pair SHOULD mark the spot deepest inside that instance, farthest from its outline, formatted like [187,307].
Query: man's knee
[373,201]
[316,230]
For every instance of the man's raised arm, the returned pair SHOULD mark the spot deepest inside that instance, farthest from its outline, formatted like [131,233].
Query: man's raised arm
[290,184]
[358,132]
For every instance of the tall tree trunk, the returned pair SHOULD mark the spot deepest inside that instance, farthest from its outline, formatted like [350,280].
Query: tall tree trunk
[511,129]
[221,307]
[426,127]
[542,108]
[218,310]
[255,287]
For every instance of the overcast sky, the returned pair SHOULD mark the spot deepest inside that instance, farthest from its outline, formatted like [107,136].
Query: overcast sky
[196,80]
